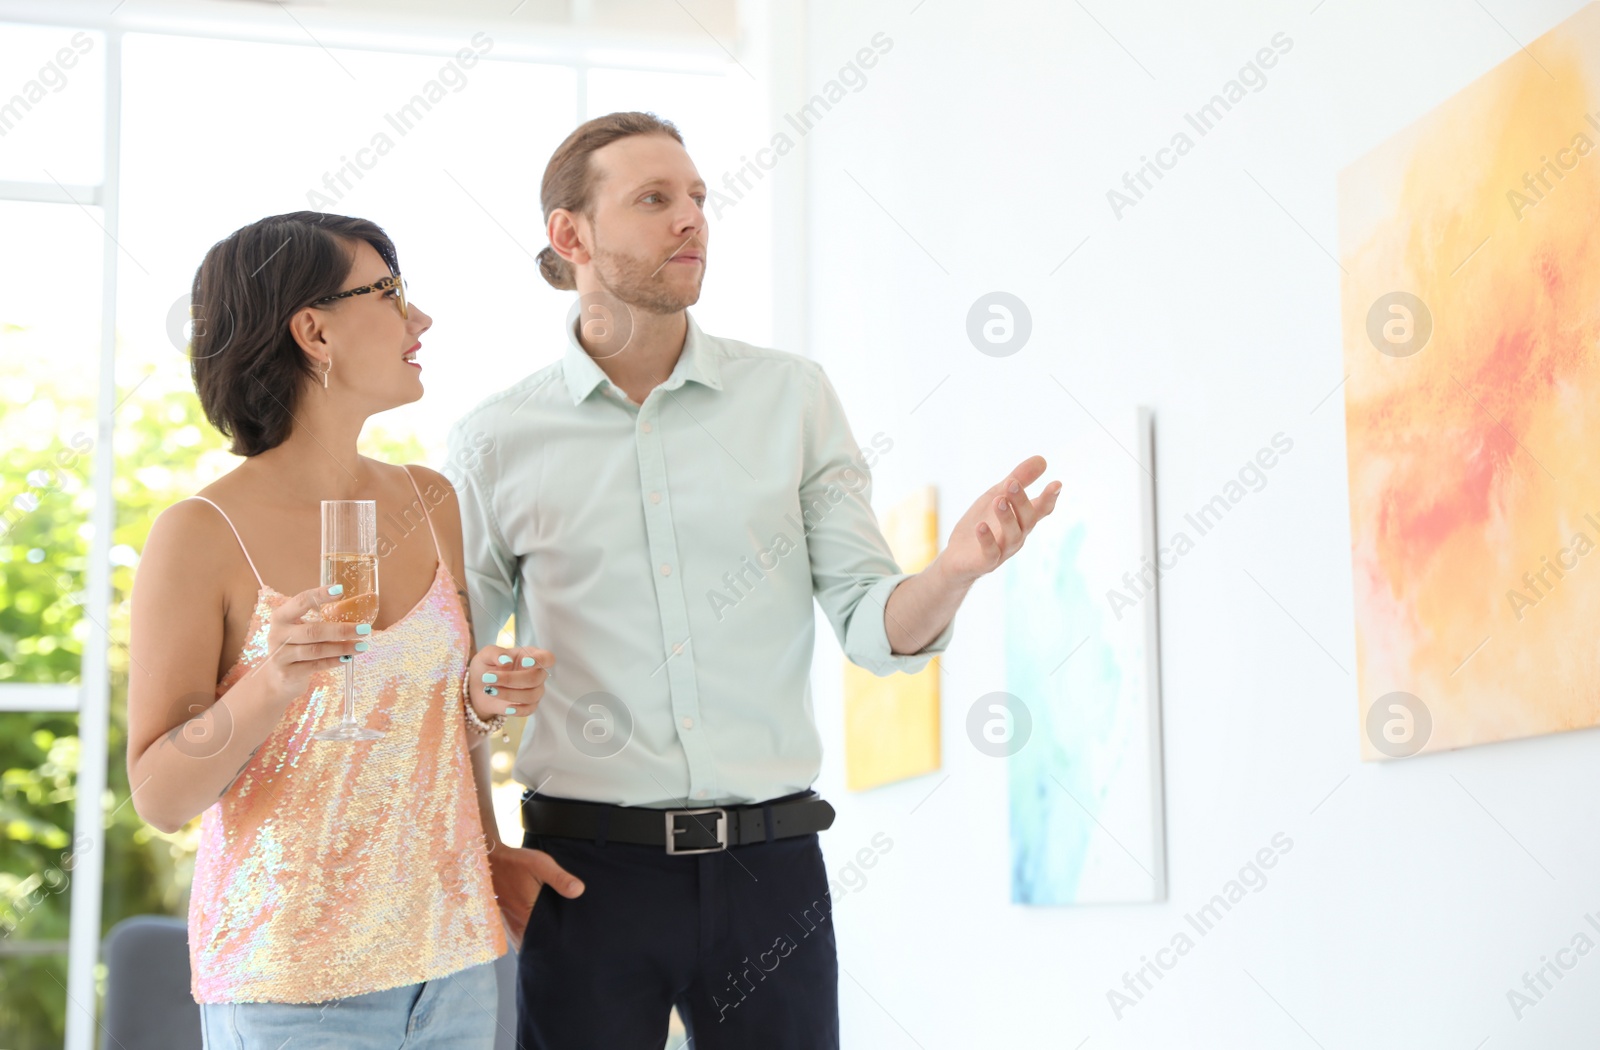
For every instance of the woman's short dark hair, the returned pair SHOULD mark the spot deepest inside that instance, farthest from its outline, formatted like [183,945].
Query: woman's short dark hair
[248,370]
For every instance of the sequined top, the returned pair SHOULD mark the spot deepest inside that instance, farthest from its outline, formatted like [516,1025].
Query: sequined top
[332,869]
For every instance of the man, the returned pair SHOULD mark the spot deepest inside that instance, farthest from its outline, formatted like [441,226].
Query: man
[659,509]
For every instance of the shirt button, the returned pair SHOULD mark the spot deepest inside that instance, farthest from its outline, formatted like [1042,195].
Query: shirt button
[688,723]
[701,793]
[645,427]
[666,570]
[677,649]
[655,497]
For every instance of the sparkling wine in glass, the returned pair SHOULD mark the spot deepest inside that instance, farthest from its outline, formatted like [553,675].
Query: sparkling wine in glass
[350,558]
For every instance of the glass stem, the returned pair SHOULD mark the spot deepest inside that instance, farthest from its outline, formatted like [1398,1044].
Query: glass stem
[350,693]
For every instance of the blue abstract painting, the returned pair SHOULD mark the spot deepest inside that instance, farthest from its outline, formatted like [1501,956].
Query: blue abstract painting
[1084,773]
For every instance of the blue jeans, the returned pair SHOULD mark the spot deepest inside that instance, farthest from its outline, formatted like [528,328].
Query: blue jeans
[455,1012]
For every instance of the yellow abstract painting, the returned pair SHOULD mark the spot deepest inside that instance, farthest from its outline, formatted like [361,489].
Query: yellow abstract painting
[1471,314]
[891,725]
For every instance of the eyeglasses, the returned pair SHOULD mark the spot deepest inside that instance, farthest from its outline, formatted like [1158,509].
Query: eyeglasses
[393,281]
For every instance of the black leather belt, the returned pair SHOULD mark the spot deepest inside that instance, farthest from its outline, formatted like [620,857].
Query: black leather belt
[706,830]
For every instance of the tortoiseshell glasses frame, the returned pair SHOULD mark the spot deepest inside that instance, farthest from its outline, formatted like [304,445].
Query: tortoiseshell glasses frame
[384,284]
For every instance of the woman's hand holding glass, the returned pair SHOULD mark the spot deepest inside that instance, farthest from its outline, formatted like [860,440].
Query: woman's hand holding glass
[508,681]
[298,648]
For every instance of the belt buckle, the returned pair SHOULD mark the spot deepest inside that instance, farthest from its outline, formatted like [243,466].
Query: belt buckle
[673,830]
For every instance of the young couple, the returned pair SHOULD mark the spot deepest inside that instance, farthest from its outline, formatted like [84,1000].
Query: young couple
[356,894]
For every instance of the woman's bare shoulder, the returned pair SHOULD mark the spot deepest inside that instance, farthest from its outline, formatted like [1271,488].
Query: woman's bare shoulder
[442,502]
[193,532]
[427,476]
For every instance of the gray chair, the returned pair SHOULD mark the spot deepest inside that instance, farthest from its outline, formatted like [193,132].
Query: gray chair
[148,1005]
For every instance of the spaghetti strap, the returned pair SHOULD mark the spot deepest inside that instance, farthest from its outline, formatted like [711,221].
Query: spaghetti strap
[437,550]
[236,536]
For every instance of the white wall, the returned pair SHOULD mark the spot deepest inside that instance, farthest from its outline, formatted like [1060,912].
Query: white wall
[1416,893]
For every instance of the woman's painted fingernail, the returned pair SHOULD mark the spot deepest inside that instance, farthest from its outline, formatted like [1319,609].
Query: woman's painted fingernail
[527,661]
[337,588]
[492,691]
[489,677]
[511,710]
[362,647]
[504,659]
[346,658]
[363,628]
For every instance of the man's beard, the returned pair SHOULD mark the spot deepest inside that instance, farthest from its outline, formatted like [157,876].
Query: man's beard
[638,283]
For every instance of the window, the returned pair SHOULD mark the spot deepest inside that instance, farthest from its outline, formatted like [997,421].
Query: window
[52,105]
[49,367]
[54,565]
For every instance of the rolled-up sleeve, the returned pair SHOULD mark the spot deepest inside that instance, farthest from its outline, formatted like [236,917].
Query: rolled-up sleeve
[852,569]
[492,570]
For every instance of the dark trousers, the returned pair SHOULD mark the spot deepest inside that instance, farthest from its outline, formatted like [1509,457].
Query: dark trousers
[740,941]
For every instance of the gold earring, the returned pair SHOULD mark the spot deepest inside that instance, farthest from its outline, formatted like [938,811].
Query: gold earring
[325,370]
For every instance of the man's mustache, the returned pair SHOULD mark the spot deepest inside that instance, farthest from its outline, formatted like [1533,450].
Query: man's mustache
[677,250]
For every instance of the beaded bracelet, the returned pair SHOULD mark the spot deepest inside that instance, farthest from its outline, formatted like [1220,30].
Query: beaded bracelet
[474,723]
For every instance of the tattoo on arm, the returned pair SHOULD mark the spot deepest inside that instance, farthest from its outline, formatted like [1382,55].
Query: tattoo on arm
[176,731]
[235,778]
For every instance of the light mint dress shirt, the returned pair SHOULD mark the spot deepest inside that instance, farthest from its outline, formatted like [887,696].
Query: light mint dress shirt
[667,554]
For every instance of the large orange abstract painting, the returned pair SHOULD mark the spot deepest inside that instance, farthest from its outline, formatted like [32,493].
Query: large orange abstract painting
[1470,245]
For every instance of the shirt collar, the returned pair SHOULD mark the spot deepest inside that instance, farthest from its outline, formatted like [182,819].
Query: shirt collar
[698,362]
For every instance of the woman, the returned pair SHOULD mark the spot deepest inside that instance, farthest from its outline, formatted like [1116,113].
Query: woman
[355,875]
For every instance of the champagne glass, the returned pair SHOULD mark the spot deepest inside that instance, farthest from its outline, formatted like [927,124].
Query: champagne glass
[350,557]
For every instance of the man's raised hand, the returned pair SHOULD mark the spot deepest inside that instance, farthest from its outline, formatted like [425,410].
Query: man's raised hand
[994,528]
